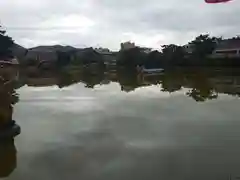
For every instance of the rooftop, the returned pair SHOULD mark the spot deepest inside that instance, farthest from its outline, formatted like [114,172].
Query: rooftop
[229,44]
[10,61]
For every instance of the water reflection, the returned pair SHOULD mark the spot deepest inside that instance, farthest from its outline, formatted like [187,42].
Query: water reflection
[8,127]
[201,84]
[78,133]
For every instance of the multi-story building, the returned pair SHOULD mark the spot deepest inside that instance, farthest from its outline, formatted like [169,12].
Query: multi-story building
[127,45]
[229,48]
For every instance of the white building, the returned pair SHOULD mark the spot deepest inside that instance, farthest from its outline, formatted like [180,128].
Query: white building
[127,45]
[229,48]
[102,50]
[188,48]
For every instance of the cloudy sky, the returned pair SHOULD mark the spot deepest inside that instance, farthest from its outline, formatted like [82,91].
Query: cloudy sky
[107,23]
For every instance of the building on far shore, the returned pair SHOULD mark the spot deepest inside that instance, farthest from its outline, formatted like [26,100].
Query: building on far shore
[39,55]
[109,57]
[127,45]
[229,48]
[102,50]
[146,50]
[9,62]
[188,48]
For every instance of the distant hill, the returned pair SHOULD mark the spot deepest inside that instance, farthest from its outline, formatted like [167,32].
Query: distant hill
[53,48]
[19,51]
[62,54]
[48,53]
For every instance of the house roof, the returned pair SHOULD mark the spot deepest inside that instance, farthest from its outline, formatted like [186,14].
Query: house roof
[10,61]
[52,48]
[228,44]
[42,55]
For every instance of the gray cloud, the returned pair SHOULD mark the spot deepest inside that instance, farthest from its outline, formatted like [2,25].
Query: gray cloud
[108,22]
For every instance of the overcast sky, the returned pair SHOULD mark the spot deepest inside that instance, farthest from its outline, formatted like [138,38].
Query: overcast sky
[107,23]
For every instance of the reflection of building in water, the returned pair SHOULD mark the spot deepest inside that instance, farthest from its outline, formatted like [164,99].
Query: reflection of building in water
[111,76]
[8,128]
[203,84]
[226,84]
[42,81]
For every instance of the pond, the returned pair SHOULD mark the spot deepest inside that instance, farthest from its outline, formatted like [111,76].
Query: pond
[113,126]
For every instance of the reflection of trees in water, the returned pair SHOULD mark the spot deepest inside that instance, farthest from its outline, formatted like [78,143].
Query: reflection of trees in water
[128,80]
[203,85]
[66,79]
[90,79]
[199,95]
[201,88]
[172,81]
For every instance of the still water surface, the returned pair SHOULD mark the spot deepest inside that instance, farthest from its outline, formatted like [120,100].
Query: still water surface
[146,133]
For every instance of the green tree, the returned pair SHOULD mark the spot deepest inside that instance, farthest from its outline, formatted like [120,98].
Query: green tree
[203,45]
[90,56]
[63,58]
[6,44]
[173,54]
[131,58]
[154,60]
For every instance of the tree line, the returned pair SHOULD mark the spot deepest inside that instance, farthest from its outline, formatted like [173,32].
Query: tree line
[6,44]
[171,55]
[174,55]
[199,84]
